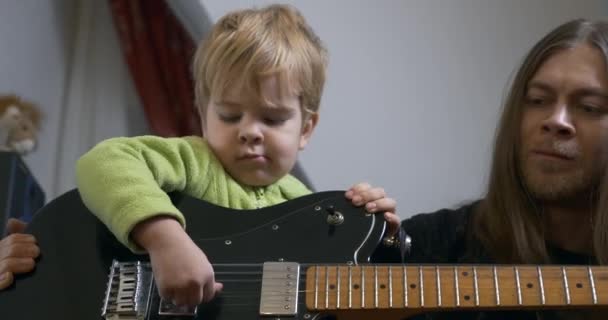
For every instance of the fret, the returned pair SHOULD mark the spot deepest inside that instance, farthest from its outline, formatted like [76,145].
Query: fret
[541,285]
[456,286]
[592,282]
[350,286]
[518,285]
[495,275]
[475,284]
[390,286]
[405,290]
[421,286]
[362,287]
[438,286]
[338,290]
[566,287]
[375,286]
[326,287]
[316,287]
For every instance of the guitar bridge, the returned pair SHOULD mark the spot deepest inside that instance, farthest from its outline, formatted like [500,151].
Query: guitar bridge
[128,291]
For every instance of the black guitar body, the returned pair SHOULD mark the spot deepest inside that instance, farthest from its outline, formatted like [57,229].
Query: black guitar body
[77,251]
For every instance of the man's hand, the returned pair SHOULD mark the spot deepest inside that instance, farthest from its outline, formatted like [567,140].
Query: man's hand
[18,252]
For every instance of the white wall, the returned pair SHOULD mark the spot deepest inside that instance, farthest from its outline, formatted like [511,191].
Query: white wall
[415,88]
[65,56]
[35,50]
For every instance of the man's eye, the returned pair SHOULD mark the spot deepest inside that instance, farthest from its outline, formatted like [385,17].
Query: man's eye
[535,101]
[587,108]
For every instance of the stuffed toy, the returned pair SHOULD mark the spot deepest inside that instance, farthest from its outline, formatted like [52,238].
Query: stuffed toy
[19,124]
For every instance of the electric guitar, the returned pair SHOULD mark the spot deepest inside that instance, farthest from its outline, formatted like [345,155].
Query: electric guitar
[303,259]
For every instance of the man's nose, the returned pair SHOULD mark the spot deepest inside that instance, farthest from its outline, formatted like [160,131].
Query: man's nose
[559,122]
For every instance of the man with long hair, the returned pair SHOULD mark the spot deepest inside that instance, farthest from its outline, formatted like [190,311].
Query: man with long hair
[547,195]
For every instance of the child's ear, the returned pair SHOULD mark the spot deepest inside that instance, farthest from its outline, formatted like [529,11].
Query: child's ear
[307,128]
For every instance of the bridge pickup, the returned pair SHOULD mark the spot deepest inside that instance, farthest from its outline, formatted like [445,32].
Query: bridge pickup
[167,308]
[280,283]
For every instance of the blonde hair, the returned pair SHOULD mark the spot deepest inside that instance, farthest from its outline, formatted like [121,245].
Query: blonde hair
[244,46]
[508,221]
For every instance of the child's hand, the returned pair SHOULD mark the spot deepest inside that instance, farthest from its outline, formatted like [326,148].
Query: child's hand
[182,272]
[375,200]
[17,252]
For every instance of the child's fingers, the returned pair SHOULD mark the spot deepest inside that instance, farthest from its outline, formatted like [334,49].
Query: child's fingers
[393,222]
[187,296]
[368,196]
[356,189]
[218,286]
[209,291]
[373,194]
[382,204]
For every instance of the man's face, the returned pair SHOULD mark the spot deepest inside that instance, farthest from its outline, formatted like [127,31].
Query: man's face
[257,142]
[564,132]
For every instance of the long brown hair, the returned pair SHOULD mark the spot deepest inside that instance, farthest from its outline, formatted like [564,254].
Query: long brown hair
[507,222]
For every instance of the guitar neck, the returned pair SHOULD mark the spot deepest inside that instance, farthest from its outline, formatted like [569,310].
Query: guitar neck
[423,288]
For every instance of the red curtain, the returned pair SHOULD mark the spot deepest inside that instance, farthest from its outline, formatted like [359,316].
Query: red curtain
[158,52]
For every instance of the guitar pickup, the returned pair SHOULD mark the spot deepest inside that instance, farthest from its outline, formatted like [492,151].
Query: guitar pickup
[280,283]
[167,308]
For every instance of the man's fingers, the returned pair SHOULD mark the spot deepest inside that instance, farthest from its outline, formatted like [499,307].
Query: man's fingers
[17,238]
[15,226]
[23,237]
[19,250]
[6,279]
[17,265]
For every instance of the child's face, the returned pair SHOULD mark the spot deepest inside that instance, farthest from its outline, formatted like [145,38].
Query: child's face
[257,142]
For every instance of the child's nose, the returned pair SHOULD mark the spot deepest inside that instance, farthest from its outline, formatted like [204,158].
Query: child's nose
[250,133]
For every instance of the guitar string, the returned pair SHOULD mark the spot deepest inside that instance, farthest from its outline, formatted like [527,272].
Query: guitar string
[228,293]
[383,273]
[234,298]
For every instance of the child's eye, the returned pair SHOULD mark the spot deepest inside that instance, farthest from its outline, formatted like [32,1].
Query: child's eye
[230,118]
[274,121]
